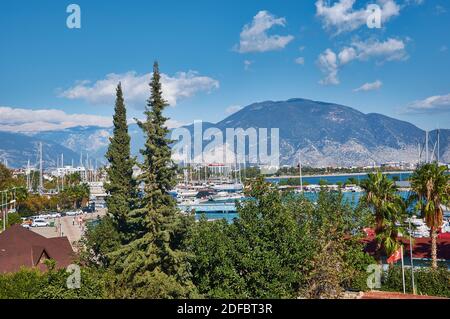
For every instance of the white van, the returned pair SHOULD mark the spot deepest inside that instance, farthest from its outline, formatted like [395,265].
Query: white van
[39,223]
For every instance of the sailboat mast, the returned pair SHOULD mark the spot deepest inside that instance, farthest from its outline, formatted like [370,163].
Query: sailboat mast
[420,155]
[300,170]
[438,150]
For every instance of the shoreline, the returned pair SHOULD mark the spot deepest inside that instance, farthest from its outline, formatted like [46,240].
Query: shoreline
[335,175]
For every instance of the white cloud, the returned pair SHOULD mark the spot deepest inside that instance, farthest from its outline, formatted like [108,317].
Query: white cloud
[347,55]
[300,60]
[26,120]
[432,104]
[328,63]
[233,109]
[370,86]
[342,17]
[389,50]
[254,37]
[136,89]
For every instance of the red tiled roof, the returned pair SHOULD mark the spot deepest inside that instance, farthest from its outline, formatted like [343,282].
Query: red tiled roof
[394,295]
[421,247]
[20,247]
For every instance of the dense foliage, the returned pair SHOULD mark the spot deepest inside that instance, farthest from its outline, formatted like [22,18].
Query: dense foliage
[431,282]
[382,197]
[431,191]
[280,247]
[52,284]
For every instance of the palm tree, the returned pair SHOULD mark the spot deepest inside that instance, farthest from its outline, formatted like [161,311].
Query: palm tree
[382,197]
[430,185]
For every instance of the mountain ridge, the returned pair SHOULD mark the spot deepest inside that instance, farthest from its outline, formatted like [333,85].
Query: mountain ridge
[323,133]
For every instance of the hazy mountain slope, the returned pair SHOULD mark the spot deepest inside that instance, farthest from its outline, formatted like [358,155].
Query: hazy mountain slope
[19,148]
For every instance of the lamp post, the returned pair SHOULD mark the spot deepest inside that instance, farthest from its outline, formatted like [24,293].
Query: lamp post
[5,204]
[2,210]
[4,207]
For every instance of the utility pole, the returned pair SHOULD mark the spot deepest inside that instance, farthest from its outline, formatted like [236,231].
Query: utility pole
[41,177]
[426,147]
[4,204]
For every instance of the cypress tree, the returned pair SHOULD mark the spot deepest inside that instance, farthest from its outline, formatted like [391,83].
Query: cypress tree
[121,186]
[155,264]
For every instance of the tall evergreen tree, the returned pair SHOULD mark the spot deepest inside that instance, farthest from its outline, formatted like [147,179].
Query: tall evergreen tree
[121,186]
[155,264]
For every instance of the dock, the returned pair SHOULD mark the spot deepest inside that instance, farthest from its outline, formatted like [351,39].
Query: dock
[210,208]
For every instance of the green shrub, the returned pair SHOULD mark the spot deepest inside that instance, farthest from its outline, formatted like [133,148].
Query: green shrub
[427,281]
[24,284]
[34,284]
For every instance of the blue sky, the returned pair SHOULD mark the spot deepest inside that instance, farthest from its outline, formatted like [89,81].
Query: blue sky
[218,56]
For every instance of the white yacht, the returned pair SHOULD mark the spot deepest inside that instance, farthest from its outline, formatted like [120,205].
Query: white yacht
[186,192]
[230,187]
[223,197]
[420,229]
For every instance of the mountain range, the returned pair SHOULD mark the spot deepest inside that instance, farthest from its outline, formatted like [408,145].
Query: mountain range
[325,134]
[17,149]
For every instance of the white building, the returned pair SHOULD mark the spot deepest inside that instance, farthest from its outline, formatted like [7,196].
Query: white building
[98,194]
[67,170]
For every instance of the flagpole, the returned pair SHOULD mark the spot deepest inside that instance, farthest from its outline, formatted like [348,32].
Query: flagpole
[403,269]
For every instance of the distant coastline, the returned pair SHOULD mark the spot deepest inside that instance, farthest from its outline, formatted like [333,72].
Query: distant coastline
[336,174]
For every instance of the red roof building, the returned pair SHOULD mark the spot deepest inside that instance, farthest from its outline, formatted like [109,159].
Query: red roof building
[20,247]
[421,247]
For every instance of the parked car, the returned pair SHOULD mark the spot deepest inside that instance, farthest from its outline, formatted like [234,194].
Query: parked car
[74,213]
[27,226]
[55,215]
[88,209]
[44,216]
[39,223]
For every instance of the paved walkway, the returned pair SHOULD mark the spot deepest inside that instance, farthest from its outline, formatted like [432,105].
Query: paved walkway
[68,226]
